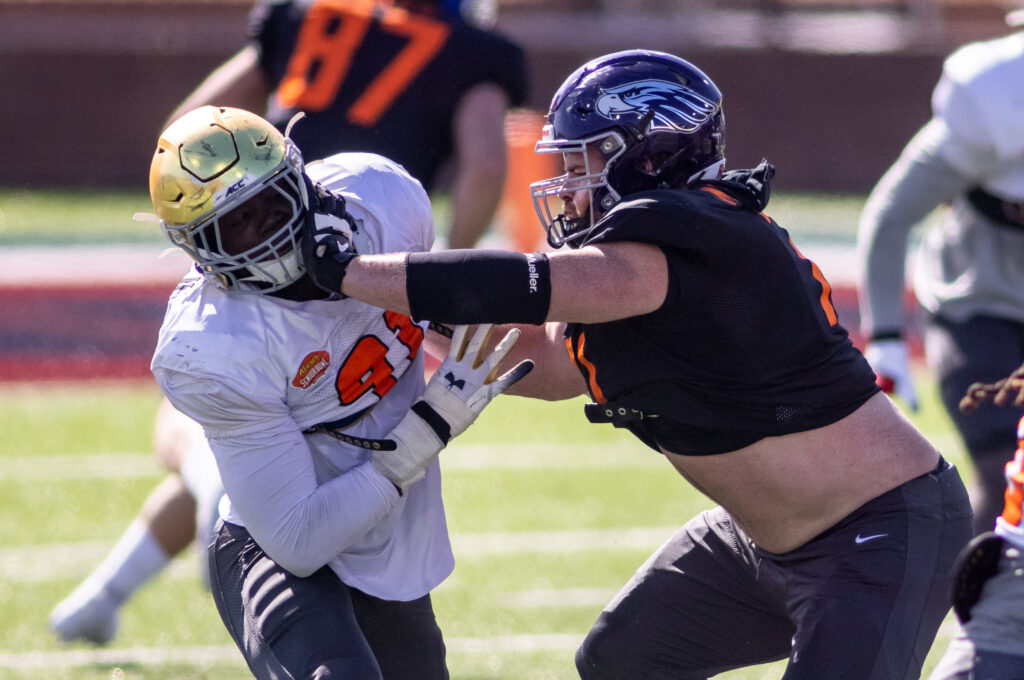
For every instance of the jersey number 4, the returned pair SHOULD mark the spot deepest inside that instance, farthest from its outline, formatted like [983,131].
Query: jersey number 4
[366,368]
[330,35]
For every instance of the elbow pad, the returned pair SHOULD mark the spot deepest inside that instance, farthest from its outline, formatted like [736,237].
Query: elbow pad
[478,286]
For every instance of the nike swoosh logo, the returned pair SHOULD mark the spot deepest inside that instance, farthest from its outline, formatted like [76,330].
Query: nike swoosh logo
[864,539]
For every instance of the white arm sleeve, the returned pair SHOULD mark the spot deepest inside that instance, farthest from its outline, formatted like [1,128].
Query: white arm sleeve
[300,525]
[268,473]
[919,181]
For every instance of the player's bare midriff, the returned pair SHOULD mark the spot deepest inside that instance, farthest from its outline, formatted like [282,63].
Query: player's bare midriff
[784,491]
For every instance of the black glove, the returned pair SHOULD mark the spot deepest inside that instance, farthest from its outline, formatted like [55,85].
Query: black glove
[327,240]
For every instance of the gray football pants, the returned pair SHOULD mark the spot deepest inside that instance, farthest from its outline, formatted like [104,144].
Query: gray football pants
[862,601]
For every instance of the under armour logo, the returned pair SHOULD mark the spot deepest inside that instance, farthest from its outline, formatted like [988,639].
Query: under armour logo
[452,382]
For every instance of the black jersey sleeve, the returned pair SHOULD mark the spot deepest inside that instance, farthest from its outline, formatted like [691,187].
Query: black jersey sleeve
[490,57]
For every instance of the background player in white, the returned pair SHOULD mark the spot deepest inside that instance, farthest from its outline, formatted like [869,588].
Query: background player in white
[313,405]
[967,275]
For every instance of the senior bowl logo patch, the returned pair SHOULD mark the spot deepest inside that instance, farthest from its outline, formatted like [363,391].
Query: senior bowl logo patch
[675,107]
[312,367]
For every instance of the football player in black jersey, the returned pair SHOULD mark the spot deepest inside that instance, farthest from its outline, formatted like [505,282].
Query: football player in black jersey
[412,80]
[693,320]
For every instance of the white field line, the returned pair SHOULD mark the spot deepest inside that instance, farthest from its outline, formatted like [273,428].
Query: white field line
[550,597]
[202,655]
[84,466]
[65,561]
[458,457]
[469,457]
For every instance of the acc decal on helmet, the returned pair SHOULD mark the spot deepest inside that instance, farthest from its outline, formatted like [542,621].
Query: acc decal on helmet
[207,164]
[656,119]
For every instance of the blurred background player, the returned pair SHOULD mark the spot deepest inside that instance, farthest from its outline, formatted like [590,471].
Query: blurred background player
[421,82]
[967,275]
[988,593]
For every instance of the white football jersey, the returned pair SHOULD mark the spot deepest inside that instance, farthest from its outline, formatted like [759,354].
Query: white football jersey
[257,372]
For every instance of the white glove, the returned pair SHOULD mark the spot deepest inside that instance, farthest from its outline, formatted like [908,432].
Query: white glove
[889,359]
[459,390]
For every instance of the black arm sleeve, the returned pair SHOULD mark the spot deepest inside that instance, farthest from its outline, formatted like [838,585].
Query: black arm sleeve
[478,286]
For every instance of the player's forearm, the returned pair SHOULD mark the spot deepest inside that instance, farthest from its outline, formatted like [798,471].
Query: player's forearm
[908,192]
[554,376]
[304,531]
[378,280]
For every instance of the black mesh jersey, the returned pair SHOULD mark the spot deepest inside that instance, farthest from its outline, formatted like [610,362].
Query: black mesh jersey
[376,78]
[747,343]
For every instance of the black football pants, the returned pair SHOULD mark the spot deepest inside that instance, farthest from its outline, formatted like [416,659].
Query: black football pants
[862,601]
[317,627]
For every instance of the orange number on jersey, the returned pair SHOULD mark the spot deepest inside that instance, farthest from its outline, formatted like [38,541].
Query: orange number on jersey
[366,368]
[332,32]
[409,334]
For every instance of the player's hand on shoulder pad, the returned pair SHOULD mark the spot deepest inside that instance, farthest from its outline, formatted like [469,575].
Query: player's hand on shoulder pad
[467,380]
[327,246]
[890,361]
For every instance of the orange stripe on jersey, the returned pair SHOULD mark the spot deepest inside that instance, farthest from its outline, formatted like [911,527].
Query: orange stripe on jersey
[721,195]
[826,289]
[591,372]
[1014,489]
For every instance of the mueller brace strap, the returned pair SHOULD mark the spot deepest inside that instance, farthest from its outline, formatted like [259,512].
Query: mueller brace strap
[478,286]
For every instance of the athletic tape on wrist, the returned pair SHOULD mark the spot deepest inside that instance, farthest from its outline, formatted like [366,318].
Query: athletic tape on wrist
[478,286]
[438,424]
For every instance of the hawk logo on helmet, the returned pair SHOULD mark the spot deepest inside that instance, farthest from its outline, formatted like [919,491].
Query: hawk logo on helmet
[675,107]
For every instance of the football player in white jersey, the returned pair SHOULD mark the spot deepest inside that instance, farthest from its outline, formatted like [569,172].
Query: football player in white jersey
[333,531]
[967,274]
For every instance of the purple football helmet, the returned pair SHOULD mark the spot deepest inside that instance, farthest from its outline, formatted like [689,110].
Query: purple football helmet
[656,119]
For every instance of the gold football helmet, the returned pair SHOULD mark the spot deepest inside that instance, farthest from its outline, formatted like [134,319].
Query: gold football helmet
[228,188]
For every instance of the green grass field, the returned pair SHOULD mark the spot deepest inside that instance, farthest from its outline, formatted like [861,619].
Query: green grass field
[76,217]
[549,516]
